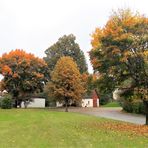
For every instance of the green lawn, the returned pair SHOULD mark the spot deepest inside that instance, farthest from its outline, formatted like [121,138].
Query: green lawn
[112,104]
[39,128]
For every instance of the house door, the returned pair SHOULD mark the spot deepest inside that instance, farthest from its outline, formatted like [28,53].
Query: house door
[94,102]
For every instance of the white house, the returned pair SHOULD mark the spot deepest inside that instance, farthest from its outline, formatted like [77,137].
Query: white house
[2,93]
[35,103]
[91,101]
[58,104]
[88,102]
[117,93]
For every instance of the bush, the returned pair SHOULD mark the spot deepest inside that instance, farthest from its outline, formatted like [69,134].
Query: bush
[131,102]
[6,102]
[133,106]
[104,99]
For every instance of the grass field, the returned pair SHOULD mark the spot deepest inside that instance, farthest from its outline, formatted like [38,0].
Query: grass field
[112,104]
[39,128]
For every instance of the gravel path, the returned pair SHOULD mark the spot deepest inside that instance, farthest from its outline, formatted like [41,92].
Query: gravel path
[112,113]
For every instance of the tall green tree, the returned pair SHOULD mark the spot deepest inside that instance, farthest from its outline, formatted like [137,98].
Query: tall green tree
[23,74]
[66,82]
[120,51]
[65,46]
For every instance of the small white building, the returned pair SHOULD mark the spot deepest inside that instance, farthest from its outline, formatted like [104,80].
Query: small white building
[4,92]
[58,104]
[35,103]
[89,101]
[117,93]
[92,101]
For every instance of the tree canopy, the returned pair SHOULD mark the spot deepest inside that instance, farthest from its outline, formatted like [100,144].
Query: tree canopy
[120,51]
[65,46]
[23,73]
[66,82]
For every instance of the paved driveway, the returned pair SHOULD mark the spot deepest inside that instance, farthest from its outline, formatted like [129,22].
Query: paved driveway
[112,113]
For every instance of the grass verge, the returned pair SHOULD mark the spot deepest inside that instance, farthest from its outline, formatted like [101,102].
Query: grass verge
[112,104]
[40,128]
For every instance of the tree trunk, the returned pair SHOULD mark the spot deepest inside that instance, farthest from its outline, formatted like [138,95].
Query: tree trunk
[25,104]
[146,111]
[15,104]
[66,104]
[19,103]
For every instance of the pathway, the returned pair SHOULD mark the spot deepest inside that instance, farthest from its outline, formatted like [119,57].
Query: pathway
[112,113]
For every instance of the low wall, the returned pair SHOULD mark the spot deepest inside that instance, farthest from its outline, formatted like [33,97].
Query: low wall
[36,103]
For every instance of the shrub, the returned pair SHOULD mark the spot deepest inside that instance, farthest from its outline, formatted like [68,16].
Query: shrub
[6,102]
[133,106]
[131,102]
[104,99]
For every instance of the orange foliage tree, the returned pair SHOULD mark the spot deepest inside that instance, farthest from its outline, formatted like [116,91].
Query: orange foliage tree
[1,86]
[23,74]
[120,52]
[66,82]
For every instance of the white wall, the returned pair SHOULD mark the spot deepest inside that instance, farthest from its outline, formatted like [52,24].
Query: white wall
[89,102]
[37,102]
[85,103]
[58,104]
[116,94]
[98,103]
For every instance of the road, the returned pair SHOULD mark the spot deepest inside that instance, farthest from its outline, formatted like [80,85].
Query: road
[112,113]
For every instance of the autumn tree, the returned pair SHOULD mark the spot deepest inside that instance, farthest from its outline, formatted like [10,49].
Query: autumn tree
[23,74]
[120,52]
[1,88]
[65,46]
[66,82]
[102,85]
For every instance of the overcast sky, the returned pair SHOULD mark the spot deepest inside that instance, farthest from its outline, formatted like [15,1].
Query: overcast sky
[34,25]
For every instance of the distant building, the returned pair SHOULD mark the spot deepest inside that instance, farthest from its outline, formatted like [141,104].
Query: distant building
[88,101]
[117,93]
[91,101]
[2,93]
[35,103]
